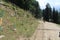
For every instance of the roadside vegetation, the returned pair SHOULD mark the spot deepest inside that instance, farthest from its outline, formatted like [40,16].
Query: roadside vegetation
[16,22]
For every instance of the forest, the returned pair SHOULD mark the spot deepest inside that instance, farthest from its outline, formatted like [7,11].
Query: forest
[48,14]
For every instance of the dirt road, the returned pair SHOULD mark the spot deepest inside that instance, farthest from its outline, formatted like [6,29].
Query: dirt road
[47,25]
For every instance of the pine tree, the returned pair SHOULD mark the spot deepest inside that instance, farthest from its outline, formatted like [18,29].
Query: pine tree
[55,16]
[48,12]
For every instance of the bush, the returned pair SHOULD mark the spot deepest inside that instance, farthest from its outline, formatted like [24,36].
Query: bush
[1,13]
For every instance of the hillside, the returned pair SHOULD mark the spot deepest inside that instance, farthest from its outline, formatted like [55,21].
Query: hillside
[15,22]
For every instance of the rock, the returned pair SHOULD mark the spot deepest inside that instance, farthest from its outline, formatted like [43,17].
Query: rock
[1,36]
[14,29]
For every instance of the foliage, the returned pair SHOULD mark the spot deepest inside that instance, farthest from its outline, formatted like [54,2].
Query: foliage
[22,20]
[55,16]
[48,11]
[35,9]
[31,5]
[1,12]
[50,15]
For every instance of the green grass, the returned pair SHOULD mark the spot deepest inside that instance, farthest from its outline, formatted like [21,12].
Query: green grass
[24,23]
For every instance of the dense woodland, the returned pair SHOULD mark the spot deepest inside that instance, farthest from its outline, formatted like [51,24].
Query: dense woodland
[48,14]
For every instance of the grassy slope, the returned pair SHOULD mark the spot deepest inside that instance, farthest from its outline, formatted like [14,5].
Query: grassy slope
[16,18]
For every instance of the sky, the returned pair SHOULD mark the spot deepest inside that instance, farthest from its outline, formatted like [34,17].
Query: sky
[53,3]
